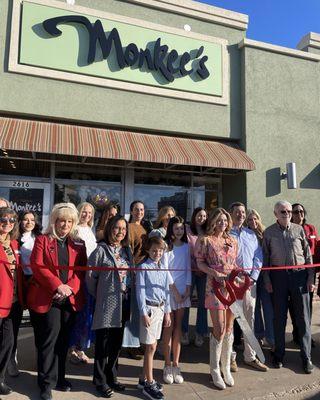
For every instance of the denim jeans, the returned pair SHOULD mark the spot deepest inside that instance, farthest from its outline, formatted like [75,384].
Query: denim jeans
[263,324]
[202,321]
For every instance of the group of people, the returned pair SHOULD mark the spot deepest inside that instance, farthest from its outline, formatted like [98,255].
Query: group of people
[130,284]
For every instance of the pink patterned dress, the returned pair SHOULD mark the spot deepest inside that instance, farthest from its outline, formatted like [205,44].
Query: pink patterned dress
[216,252]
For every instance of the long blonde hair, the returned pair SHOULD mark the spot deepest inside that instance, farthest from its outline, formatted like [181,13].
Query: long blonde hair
[59,211]
[80,208]
[162,213]
[261,228]
[212,222]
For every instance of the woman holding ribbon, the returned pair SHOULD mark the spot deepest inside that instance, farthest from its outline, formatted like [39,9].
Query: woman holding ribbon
[55,294]
[111,288]
[216,253]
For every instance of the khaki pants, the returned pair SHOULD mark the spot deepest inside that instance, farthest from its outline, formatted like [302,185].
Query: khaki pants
[248,304]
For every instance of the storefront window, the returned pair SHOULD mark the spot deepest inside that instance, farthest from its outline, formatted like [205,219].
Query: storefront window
[183,192]
[27,194]
[93,192]
[157,196]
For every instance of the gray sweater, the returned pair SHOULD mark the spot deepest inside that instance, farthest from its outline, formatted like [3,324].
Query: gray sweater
[106,288]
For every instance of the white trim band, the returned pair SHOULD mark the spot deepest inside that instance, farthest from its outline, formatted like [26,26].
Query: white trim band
[200,11]
[278,49]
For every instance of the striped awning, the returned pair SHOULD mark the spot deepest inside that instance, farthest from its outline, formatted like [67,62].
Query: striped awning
[54,138]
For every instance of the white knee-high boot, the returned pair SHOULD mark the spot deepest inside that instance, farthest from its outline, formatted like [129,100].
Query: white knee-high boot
[215,354]
[225,359]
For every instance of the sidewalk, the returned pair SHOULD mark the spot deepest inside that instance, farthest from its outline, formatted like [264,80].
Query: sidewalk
[289,382]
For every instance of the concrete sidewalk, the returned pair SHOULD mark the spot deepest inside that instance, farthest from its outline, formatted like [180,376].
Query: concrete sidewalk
[289,382]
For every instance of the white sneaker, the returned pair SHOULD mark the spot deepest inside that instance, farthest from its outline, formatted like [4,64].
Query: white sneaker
[185,339]
[177,376]
[198,340]
[168,375]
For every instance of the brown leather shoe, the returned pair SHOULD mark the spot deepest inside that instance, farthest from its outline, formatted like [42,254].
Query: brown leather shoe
[256,364]
[233,366]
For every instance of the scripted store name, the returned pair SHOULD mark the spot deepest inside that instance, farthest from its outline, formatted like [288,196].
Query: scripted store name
[169,63]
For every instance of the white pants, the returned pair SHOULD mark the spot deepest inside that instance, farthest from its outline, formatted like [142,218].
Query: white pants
[248,304]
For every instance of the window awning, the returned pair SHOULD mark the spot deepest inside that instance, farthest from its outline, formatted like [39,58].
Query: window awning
[63,139]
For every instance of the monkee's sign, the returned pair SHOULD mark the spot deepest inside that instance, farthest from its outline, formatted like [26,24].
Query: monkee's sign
[78,44]
[168,63]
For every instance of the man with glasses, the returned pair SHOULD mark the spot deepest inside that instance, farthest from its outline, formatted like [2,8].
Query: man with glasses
[285,244]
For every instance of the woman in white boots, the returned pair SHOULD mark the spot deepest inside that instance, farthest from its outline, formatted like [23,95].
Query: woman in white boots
[216,253]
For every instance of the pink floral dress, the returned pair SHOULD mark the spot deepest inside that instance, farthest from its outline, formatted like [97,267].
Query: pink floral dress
[215,253]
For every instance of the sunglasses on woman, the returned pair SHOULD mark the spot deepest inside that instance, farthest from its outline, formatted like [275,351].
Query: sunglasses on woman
[4,220]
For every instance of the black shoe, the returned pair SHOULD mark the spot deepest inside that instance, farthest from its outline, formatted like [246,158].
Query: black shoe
[134,353]
[152,392]
[277,363]
[142,383]
[63,386]
[308,366]
[5,389]
[117,386]
[105,391]
[46,394]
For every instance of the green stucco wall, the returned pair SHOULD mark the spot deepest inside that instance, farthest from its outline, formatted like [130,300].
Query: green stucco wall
[282,124]
[50,98]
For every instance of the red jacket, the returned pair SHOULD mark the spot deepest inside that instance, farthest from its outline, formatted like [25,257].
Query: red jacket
[6,281]
[45,281]
[312,237]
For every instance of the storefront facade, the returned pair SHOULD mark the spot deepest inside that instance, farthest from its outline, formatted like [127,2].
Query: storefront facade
[151,100]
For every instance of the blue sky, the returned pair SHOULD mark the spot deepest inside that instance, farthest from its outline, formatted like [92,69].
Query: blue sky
[281,22]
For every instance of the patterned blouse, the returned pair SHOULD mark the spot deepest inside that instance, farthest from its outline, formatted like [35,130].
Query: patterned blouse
[220,255]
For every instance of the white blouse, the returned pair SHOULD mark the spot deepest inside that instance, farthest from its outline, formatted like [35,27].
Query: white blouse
[86,234]
[27,242]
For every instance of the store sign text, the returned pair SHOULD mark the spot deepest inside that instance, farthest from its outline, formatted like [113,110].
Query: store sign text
[170,64]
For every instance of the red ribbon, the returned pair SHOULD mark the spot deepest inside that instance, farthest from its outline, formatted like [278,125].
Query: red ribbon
[101,268]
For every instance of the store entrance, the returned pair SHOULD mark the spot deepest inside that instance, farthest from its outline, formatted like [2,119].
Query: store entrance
[27,194]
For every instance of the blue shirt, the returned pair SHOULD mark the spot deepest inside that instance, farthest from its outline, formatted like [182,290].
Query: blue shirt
[249,251]
[153,286]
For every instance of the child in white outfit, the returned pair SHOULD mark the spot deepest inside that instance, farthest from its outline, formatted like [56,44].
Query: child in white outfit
[179,263]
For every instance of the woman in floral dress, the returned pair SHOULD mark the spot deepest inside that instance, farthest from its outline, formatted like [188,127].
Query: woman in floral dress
[216,253]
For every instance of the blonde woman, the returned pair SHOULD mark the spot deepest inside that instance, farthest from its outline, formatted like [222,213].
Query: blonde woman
[86,220]
[82,335]
[254,223]
[216,252]
[162,222]
[263,316]
[55,295]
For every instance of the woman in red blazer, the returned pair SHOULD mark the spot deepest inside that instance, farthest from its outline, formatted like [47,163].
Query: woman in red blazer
[299,215]
[54,295]
[10,289]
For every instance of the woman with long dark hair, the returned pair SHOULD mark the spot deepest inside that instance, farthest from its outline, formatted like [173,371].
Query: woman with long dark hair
[196,228]
[29,229]
[109,211]
[137,231]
